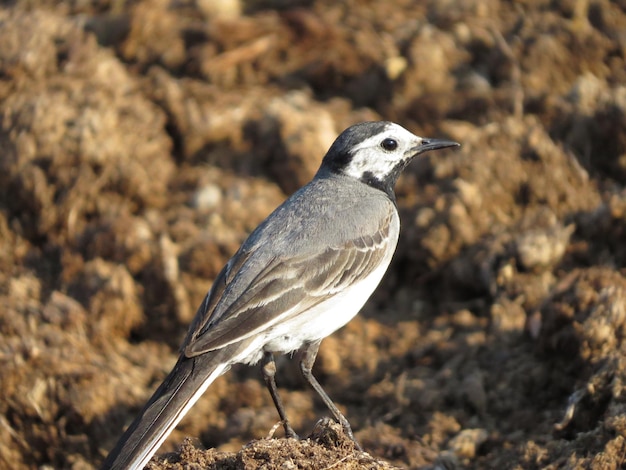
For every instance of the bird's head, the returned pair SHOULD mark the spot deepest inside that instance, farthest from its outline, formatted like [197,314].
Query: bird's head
[376,152]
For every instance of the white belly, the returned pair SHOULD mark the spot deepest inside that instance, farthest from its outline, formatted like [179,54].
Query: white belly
[325,318]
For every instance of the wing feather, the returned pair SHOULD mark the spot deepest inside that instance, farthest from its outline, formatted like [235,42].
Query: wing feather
[286,286]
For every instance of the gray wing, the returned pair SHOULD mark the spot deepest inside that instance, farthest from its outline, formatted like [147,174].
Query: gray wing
[286,286]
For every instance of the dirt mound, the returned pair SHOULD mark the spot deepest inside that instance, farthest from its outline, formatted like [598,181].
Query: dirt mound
[141,142]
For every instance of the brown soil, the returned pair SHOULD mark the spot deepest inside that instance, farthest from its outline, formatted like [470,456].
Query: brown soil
[141,141]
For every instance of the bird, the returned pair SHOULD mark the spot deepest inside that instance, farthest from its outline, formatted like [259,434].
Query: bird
[302,274]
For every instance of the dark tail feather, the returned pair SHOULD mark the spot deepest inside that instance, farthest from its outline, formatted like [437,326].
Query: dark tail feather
[179,391]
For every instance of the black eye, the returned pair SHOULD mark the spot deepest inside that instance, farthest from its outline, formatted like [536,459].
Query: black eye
[389,144]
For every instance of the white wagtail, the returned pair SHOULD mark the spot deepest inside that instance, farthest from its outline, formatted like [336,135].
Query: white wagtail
[303,273]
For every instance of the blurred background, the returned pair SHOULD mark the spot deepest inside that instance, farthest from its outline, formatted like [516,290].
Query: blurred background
[141,141]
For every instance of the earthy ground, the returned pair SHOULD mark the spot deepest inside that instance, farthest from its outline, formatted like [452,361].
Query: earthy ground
[140,141]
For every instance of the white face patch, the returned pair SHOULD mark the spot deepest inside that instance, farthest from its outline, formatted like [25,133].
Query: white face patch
[371,157]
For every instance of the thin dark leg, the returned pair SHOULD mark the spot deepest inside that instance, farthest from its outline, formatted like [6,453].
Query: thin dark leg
[268,369]
[306,366]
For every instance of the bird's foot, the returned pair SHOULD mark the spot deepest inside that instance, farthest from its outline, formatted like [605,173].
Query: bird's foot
[289,432]
[327,428]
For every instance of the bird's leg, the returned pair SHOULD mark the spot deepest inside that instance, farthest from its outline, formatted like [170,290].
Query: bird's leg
[306,366]
[268,369]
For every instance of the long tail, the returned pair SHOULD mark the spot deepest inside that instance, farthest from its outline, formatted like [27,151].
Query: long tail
[177,394]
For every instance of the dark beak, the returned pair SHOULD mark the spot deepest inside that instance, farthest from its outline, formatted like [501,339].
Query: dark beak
[434,144]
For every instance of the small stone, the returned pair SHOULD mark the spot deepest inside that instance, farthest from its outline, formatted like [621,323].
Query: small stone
[207,197]
[466,443]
